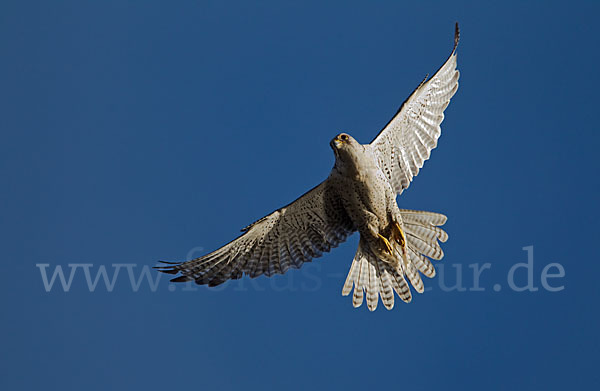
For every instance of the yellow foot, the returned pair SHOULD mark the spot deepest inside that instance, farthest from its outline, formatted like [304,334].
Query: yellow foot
[387,244]
[398,235]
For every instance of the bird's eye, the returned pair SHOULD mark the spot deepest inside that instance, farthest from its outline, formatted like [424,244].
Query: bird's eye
[344,137]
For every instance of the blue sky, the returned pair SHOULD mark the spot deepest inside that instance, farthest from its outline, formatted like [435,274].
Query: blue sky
[139,131]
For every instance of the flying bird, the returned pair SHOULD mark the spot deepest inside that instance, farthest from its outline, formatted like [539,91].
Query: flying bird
[358,195]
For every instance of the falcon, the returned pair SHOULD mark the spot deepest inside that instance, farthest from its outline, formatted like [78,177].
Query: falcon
[359,194]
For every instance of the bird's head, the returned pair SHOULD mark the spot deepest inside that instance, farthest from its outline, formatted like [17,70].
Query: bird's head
[347,151]
[341,141]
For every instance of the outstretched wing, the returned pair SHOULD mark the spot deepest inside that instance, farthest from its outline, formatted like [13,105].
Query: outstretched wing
[407,140]
[288,237]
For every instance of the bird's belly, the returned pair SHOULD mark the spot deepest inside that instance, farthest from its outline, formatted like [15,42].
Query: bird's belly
[368,197]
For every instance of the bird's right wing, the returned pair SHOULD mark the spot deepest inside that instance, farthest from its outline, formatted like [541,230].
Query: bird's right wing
[286,238]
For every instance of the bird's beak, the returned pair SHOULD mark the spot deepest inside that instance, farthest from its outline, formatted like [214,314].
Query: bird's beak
[337,141]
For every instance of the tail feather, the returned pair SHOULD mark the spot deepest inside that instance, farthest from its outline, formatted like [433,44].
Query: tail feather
[423,218]
[352,276]
[373,288]
[373,277]
[386,287]
[401,287]
[421,262]
[413,276]
[357,298]
[427,233]
[430,249]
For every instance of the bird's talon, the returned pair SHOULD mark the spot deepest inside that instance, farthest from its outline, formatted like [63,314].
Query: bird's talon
[399,235]
[386,243]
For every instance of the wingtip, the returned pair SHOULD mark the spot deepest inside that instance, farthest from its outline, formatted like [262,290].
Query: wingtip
[181,279]
[166,271]
[456,35]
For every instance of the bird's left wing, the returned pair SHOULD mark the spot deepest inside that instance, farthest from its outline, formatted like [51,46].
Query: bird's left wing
[406,141]
[286,238]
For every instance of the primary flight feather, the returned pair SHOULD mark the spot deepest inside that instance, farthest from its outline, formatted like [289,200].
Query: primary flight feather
[358,195]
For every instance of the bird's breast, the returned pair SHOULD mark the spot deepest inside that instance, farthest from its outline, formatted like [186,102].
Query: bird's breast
[365,194]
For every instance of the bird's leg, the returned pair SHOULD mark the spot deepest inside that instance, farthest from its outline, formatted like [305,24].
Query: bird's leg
[383,242]
[386,243]
[398,236]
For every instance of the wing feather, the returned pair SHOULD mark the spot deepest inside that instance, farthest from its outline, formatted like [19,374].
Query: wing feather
[405,143]
[305,229]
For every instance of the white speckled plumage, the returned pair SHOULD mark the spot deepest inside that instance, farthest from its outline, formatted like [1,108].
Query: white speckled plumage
[359,195]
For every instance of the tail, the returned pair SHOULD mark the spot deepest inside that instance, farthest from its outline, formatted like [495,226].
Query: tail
[372,276]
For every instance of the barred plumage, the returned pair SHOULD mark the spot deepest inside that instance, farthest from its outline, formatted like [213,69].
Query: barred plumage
[407,140]
[359,194]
